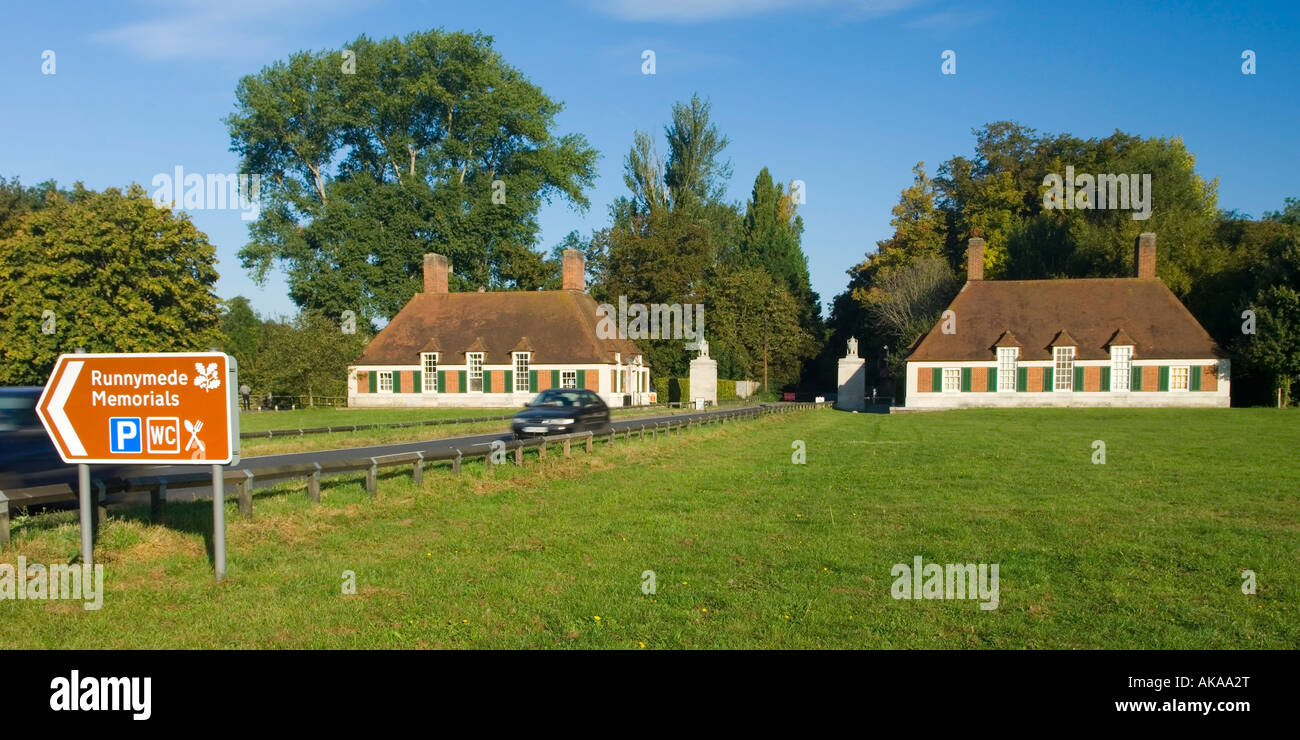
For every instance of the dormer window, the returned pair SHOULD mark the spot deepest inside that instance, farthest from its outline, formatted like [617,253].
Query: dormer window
[429,376]
[1063,361]
[1007,359]
[521,371]
[1121,366]
[475,371]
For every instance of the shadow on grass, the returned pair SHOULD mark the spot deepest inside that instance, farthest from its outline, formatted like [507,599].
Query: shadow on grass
[192,514]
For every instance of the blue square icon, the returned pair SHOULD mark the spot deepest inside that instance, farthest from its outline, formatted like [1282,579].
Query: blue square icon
[124,435]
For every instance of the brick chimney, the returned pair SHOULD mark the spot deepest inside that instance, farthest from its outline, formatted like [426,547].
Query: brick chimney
[975,259]
[573,271]
[436,269]
[1144,257]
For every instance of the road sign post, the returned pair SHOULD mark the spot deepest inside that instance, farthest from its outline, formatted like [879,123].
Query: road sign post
[218,523]
[87,528]
[144,409]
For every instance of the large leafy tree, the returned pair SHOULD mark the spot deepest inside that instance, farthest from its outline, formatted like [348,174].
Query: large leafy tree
[118,274]
[760,328]
[306,357]
[888,299]
[674,239]
[17,200]
[430,143]
[242,328]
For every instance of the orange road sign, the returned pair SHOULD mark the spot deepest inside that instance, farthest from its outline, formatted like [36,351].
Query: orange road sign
[151,408]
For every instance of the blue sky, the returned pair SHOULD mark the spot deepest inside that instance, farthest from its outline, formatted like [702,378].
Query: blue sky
[845,95]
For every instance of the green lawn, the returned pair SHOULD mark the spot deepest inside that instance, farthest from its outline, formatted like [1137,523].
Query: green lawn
[261,421]
[748,549]
[307,418]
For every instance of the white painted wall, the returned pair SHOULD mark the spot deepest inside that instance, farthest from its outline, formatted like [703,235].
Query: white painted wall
[1219,398]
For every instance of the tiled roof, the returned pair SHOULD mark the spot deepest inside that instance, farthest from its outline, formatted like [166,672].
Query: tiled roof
[558,325]
[1088,312]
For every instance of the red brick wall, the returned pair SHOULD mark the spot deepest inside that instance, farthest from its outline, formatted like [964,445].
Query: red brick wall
[1092,379]
[1034,379]
[924,379]
[1150,378]
[1209,377]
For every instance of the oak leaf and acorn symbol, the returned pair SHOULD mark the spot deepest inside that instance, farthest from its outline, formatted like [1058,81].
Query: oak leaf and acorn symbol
[207,378]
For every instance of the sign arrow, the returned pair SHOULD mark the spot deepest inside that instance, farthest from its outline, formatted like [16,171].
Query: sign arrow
[57,415]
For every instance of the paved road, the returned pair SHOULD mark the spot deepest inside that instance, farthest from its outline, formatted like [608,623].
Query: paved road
[468,444]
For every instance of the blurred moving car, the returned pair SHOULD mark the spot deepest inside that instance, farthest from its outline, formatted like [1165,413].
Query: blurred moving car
[27,456]
[562,411]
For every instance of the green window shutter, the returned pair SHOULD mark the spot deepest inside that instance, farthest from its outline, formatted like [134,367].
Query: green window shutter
[555,378]
[1047,378]
[1194,378]
[442,380]
[374,381]
[582,378]
[936,379]
[1105,379]
[532,381]
[416,377]
[1078,378]
[965,379]
[1164,378]
[992,375]
[1022,378]
[510,381]
[463,376]
[1135,382]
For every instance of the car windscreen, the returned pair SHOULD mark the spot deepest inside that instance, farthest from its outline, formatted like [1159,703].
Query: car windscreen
[557,399]
[17,412]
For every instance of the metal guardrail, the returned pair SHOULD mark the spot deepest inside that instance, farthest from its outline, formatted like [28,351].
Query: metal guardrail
[273,433]
[242,479]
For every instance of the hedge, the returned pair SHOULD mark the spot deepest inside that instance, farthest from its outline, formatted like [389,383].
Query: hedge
[675,390]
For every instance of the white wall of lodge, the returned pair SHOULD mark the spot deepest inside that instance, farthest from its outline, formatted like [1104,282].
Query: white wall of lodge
[618,385]
[1217,398]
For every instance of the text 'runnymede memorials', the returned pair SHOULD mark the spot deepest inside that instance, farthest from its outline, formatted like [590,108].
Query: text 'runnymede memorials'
[140,408]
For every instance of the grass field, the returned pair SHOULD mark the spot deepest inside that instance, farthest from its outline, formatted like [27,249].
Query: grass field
[306,418]
[324,417]
[748,549]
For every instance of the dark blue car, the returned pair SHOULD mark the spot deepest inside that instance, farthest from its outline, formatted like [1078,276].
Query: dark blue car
[27,456]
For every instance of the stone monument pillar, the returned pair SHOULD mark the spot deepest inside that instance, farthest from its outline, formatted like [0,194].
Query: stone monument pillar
[704,376]
[852,380]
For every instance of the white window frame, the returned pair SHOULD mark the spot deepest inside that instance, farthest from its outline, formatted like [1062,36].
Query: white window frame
[1121,367]
[429,372]
[1008,361]
[567,377]
[470,357]
[522,360]
[1063,358]
[385,375]
[1187,378]
[955,374]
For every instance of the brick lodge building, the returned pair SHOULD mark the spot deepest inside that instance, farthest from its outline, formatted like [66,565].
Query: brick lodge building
[496,348]
[1068,342]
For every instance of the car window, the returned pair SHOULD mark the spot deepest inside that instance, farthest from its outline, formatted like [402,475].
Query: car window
[557,398]
[17,413]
